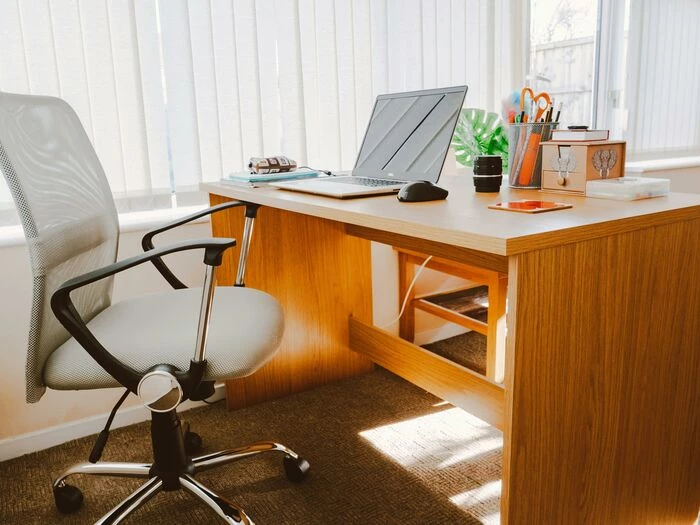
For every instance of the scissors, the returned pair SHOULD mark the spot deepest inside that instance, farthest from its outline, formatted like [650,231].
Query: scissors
[537,101]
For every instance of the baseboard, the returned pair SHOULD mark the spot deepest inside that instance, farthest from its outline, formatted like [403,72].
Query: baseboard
[49,437]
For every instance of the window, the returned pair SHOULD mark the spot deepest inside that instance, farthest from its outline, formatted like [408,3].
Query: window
[629,66]
[659,96]
[174,92]
[562,51]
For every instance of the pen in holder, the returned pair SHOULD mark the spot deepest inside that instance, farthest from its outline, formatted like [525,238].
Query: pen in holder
[523,151]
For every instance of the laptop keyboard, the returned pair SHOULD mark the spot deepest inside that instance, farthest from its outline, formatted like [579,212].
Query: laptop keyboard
[366,181]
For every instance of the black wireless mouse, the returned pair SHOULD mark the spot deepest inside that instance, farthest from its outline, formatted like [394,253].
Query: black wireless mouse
[421,191]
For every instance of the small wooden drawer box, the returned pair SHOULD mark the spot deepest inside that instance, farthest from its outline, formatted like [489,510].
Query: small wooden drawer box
[566,166]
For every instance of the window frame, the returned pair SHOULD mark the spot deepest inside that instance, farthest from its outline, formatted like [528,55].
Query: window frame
[613,73]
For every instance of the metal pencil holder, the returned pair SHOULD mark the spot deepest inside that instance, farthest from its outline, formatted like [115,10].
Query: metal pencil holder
[524,152]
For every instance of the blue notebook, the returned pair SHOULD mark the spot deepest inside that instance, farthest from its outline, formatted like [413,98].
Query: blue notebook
[268,177]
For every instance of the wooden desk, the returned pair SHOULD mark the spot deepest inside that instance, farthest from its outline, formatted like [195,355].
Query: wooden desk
[599,407]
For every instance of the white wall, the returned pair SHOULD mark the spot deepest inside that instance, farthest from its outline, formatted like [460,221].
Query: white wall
[683,180]
[385,290]
[57,408]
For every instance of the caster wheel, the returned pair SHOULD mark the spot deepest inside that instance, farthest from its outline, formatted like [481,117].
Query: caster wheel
[295,469]
[68,499]
[193,443]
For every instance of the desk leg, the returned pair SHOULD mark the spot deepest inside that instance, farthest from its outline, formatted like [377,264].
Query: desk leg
[407,323]
[496,336]
[321,276]
[602,390]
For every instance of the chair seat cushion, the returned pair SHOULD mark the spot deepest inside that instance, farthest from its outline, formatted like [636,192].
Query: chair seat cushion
[244,332]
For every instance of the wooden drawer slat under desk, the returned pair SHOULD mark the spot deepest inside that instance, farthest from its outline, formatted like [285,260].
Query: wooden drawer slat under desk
[456,289]
[451,316]
[447,380]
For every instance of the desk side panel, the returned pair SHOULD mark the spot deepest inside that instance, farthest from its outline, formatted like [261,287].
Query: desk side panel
[602,395]
[320,276]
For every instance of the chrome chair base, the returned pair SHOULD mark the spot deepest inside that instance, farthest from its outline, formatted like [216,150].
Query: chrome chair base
[295,469]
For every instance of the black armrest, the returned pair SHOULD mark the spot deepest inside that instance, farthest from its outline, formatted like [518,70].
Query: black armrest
[147,240]
[65,311]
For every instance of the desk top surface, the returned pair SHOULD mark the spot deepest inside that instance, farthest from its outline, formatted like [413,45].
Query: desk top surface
[465,220]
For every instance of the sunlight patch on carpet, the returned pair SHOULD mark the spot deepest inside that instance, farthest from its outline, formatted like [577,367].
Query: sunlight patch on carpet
[488,492]
[447,448]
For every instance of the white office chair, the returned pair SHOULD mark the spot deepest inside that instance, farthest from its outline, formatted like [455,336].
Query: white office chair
[153,345]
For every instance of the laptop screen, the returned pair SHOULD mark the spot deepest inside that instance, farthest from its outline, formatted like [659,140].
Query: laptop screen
[409,134]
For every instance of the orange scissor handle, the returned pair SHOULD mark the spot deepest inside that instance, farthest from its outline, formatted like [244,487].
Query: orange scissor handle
[537,100]
[525,91]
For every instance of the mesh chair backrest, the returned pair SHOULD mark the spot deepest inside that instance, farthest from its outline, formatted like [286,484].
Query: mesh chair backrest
[67,212]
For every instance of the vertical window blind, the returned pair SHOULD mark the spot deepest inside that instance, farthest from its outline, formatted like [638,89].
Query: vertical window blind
[663,78]
[176,92]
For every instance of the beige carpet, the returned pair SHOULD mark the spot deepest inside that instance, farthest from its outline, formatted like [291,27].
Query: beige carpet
[467,349]
[381,451]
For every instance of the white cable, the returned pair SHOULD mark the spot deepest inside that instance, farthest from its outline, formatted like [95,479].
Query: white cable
[408,292]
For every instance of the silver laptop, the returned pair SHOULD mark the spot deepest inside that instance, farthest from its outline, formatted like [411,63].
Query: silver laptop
[407,139]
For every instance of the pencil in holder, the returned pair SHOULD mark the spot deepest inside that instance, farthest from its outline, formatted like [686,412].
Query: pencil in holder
[524,152]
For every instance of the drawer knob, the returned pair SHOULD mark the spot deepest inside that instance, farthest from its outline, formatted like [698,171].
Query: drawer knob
[564,163]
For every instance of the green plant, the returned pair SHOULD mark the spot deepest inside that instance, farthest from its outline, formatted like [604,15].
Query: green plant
[479,132]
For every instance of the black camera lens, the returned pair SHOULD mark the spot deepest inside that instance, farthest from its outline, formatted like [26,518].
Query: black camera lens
[488,173]
[488,165]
